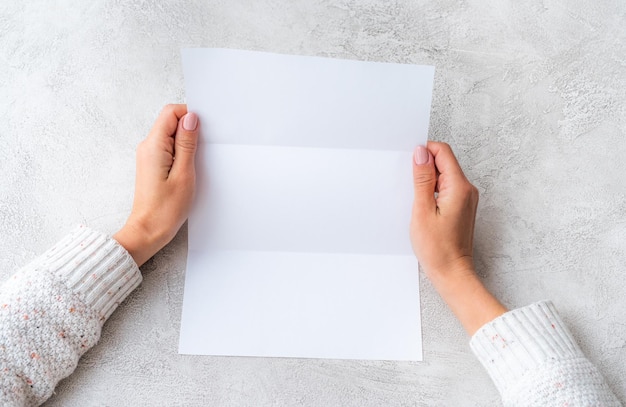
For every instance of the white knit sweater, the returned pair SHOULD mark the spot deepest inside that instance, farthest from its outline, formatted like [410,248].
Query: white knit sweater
[52,311]
[534,361]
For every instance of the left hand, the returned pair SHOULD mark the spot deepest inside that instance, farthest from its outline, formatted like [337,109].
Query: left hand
[164,185]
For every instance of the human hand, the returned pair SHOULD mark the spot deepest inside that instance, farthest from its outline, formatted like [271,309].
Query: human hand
[164,184]
[442,228]
[442,234]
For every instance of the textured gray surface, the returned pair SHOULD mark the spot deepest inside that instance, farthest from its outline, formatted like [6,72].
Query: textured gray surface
[530,93]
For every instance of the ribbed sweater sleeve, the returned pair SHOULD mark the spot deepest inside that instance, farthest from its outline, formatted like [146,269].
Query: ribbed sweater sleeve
[534,361]
[53,309]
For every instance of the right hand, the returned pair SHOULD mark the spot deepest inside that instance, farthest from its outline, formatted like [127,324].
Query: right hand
[442,228]
[442,234]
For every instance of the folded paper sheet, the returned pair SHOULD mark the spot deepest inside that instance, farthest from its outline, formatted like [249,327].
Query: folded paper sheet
[298,239]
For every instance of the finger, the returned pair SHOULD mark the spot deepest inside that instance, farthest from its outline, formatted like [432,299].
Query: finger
[167,122]
[186,144]
[445,161]
[424,180]
[454,189]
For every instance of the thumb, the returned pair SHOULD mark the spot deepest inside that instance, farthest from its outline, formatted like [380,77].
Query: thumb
[185,143]
[424,179]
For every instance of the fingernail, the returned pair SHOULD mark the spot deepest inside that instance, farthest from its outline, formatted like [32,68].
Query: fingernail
[421,155]
[190,121]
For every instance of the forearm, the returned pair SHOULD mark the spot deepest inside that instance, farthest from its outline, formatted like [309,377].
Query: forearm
[52,311]
[467,297]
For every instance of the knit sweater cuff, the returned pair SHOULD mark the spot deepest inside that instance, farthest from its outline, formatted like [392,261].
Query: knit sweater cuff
[520,340]
[95,267]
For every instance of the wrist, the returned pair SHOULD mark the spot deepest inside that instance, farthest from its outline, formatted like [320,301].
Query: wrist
[140,244]
[452,273]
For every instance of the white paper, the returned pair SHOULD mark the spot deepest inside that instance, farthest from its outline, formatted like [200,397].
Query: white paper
[298,239]
[303,200]
[312,305]
[258,98]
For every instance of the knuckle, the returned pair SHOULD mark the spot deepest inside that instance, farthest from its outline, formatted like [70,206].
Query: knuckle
[468,190]
[423,179]
[472,189]
[469,193]
[186,144]
[475,194]
[168,108]
[144,149]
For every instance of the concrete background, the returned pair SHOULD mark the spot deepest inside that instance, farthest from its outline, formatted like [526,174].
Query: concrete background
[530,93]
